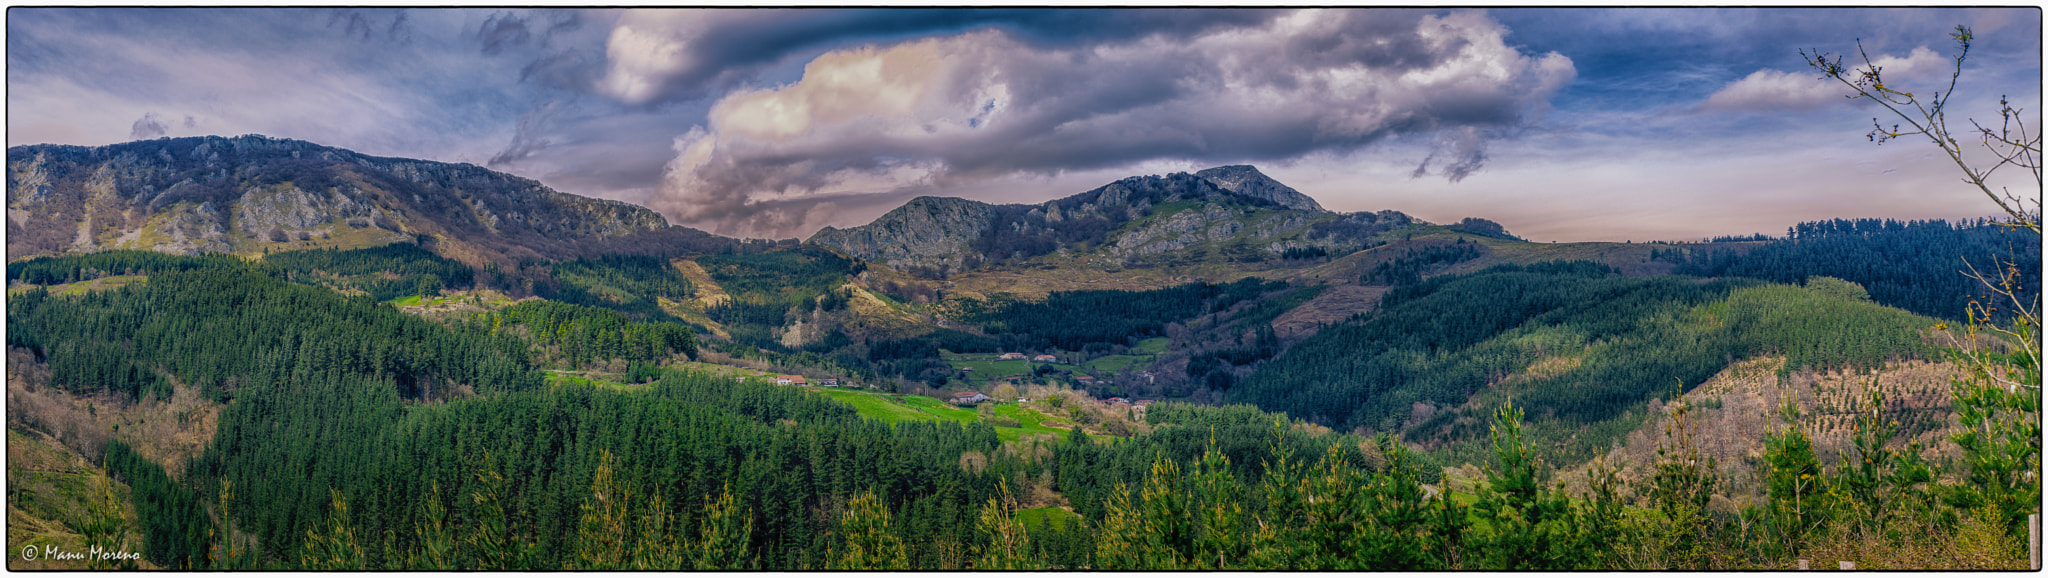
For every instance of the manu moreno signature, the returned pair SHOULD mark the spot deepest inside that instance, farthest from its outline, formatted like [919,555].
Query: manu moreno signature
[95,553]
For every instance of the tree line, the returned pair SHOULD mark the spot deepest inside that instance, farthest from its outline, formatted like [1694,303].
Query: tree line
[1911,265]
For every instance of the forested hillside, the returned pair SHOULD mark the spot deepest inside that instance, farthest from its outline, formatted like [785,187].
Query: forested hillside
[620,413]
[386,272]
[354,436]
[1911,265]
[1581,345]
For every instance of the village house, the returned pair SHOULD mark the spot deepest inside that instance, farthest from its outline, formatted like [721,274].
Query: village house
[789,380]
[829,382]
[1147,375]
[1045,359]
[969,398]
[1007,356]
[1085,379]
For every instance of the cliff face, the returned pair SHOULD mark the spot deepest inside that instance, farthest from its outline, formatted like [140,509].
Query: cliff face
[1131,217]
[253,193]
[927,231]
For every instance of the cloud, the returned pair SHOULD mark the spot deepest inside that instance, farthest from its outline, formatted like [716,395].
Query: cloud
[528,136]
[501,31]
[1807,90]
[1776,90]
[950,110]
[658,56]
[1463,148]
[147,127]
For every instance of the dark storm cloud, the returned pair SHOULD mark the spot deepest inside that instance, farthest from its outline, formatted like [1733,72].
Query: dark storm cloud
[1003,101]
[728,47]
[985,105]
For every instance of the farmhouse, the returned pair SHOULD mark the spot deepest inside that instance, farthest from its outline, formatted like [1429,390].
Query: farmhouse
[829,382]
[1045,359]
[789,380]
[969,398]
[1010,356]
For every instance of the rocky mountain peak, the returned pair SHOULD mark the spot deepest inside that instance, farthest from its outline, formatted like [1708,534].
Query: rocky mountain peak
[1246,180]
[943,233]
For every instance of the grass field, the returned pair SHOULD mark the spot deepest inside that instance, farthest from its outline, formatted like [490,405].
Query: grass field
[415,301]
[1116,363]
[1036,518]
[893,409]
[560,377]
[1151,346]
[877,407]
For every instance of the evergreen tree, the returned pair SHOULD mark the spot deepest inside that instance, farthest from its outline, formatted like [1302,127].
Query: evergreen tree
[724,535]
[1006,547]
[334,547]
[868,541]
[604,531]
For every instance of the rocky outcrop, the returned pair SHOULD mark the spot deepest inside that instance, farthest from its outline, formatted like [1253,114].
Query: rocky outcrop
[1248,181]
[252,193]
[925,232]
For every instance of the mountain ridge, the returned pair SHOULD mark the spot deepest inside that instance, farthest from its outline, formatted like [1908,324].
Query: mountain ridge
[253,193]
[1111,218]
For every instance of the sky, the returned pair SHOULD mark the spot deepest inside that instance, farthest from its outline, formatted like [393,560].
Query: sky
[1563,124]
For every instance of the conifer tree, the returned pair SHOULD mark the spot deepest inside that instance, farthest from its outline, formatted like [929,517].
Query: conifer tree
[1122,544]
[1532,528]
[335,548]
[1008,548]
[724,535]
[436,550]
[869,542]
[603,531]
[1682,484]
[658,545]
[1221,536]
[492,543]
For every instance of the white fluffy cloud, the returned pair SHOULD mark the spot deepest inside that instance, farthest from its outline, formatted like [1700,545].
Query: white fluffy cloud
[1806,90]
[982,105]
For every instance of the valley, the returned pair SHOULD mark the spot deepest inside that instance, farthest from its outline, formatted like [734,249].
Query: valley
[329,355]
